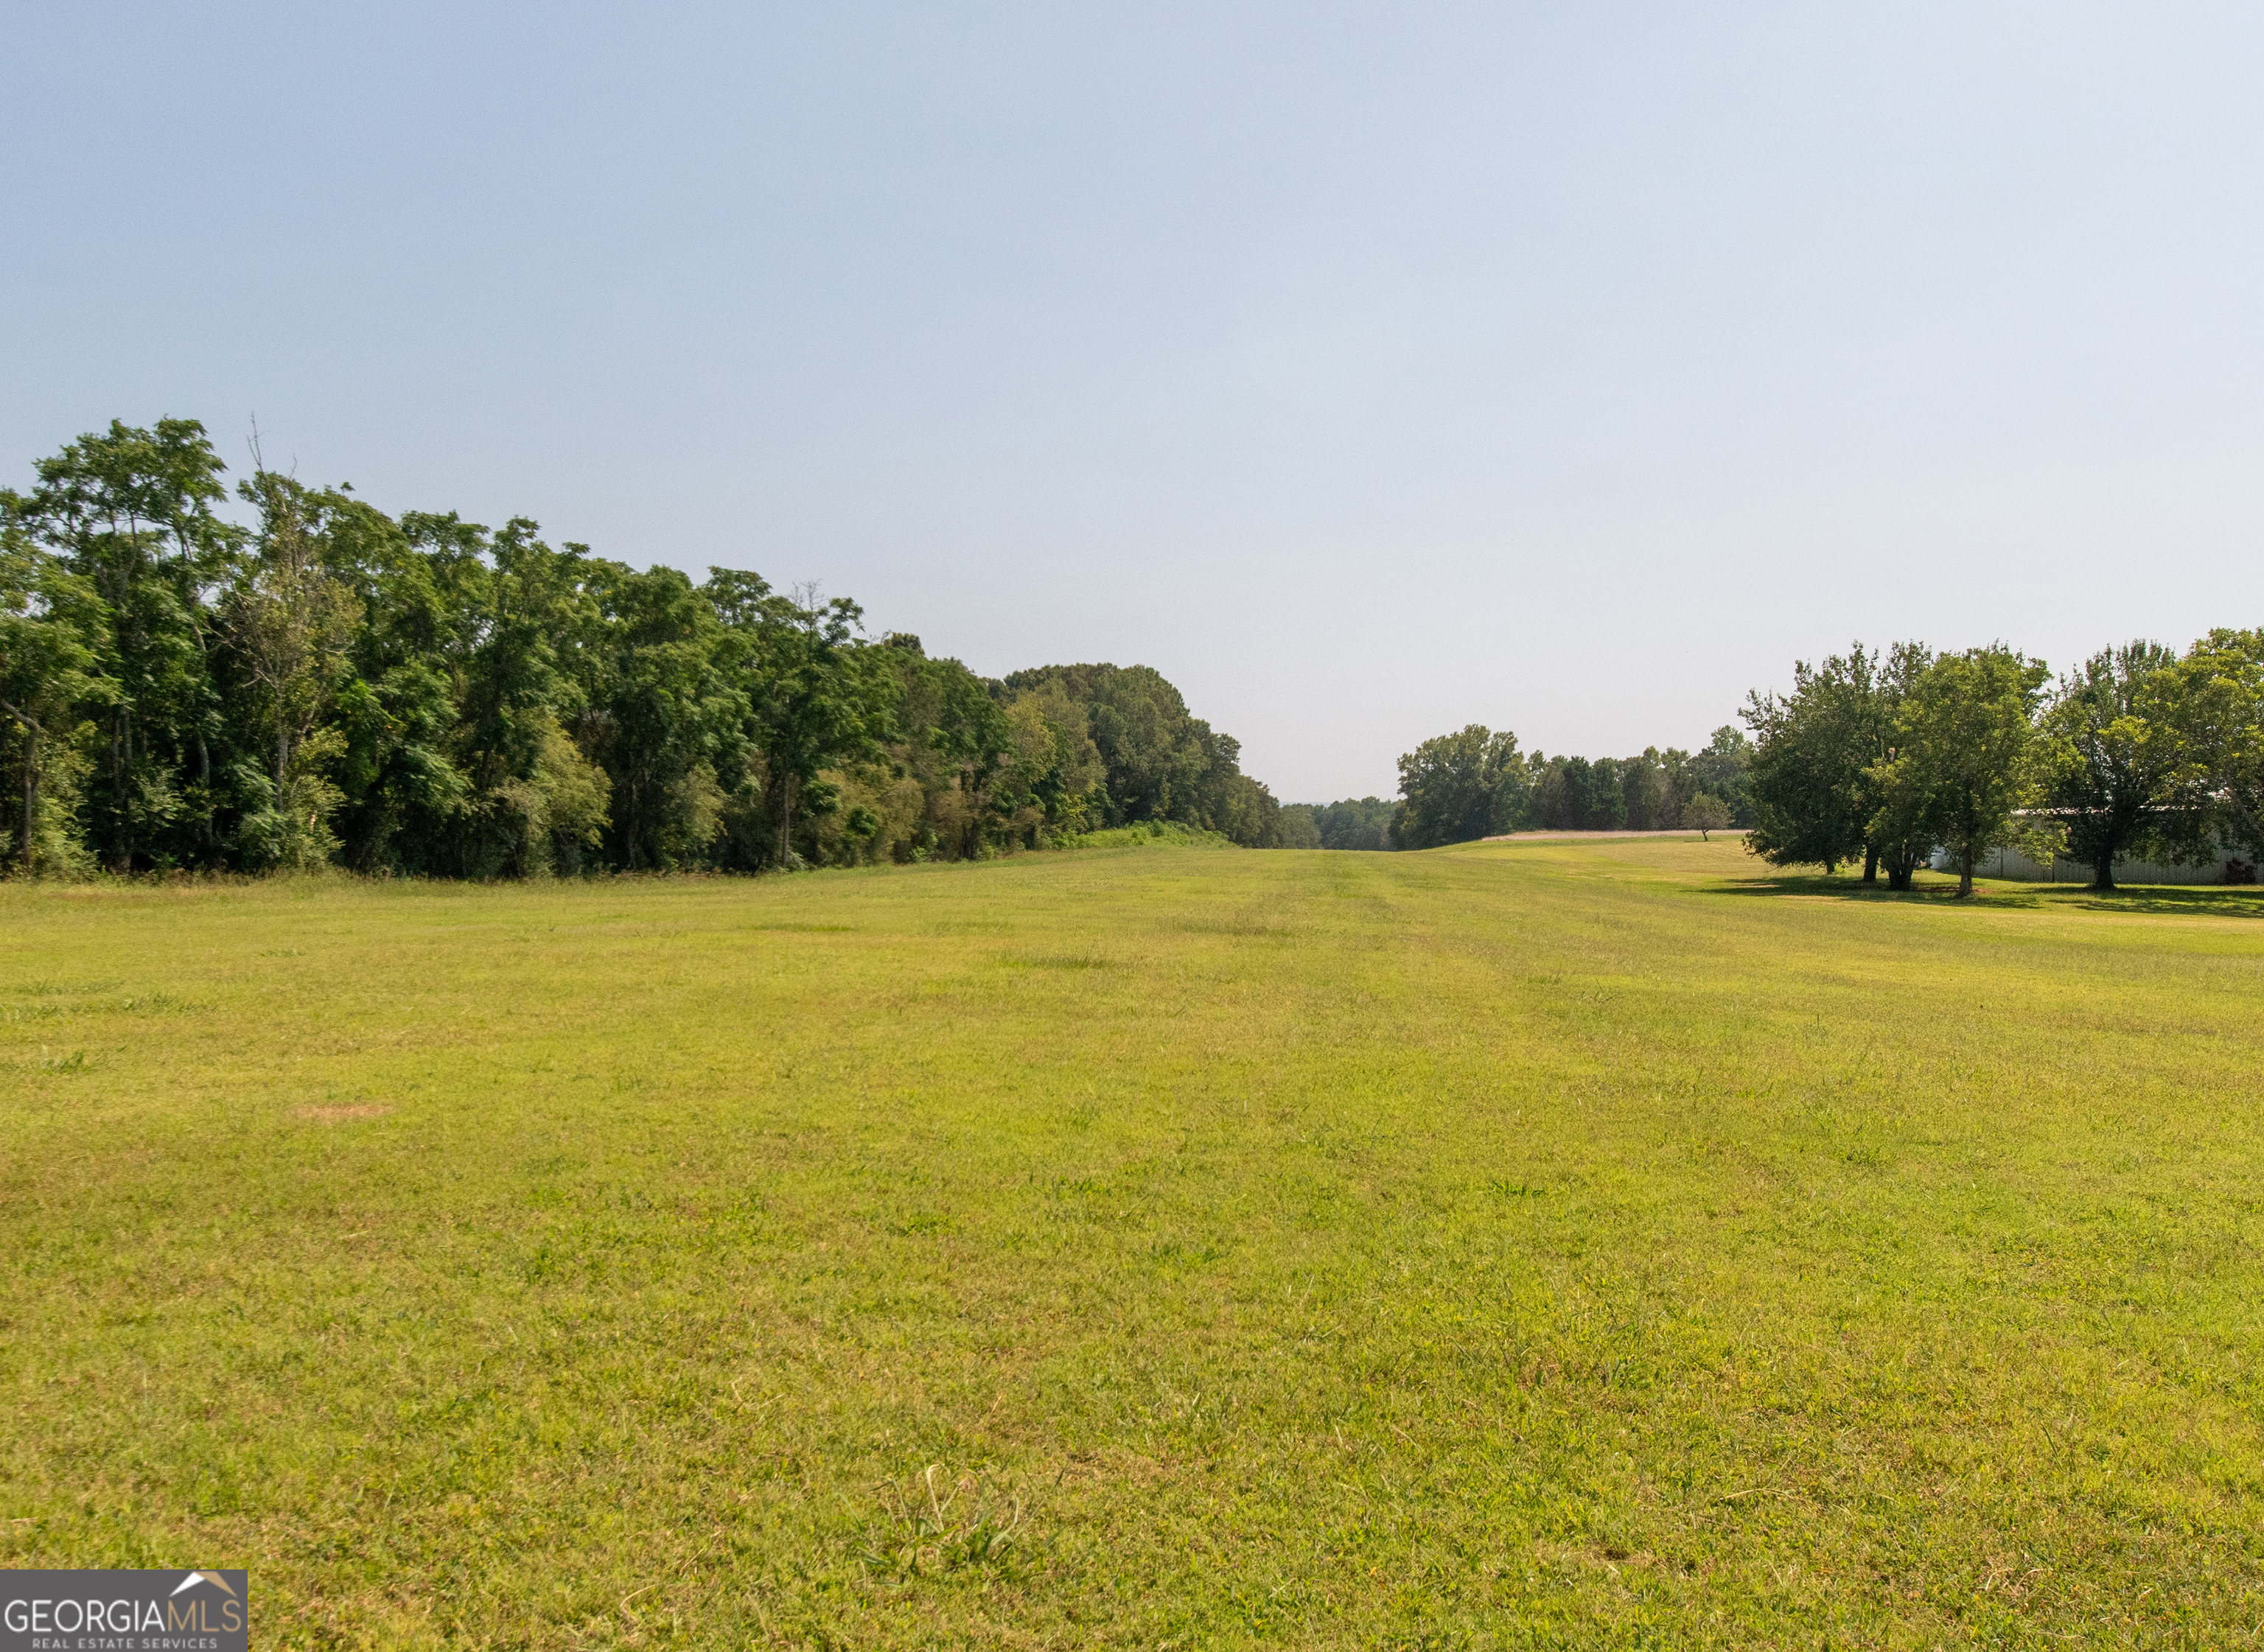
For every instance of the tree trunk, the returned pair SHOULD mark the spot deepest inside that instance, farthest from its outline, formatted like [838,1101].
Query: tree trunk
[30,795]
[2104,871]
[1965,874]
[204,779]
[786,824]
[1871,864]
[121,853]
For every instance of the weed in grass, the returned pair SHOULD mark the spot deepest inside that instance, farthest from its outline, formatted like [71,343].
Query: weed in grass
[932,1531]
[57,1061]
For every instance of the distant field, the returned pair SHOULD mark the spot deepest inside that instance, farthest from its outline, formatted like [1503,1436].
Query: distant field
[1572,1243]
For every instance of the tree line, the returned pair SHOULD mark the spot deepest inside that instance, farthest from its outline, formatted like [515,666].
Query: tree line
[1475,783]
[1882,756]
[321,684]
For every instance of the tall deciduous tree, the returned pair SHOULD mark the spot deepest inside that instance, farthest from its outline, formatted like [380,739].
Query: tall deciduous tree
[1963,764]
[1814,754]
[533,801]
[665,713]
[2212,703]
[290,624]
[1351,823]
[1810,755]
[1160,761]
[953,736]
[420,584]
[133,511]
[2111,766]
[821,699]
[1457,787]
[1723,768]
[1900,834]
[48,677]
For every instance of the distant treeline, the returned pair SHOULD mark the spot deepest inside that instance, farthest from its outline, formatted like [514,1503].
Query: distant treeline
[327,685]
[1475,784]
[1881,758]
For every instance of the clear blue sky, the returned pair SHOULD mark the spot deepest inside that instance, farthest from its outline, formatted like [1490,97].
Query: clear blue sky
[1369,370]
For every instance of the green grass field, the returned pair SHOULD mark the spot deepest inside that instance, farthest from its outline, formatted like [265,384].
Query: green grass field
[1580,1243]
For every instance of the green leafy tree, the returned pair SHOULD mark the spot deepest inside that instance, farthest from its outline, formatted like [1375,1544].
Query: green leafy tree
[1706,815]
[1246,811]
[2110,765]
[2211,705]
[1595,795]
[1724,768]
[1153,760]
[1963,761]
[422,585]
[1160,762]
[1898,838]
[47,677]
[425,696]
[666,712]
[1813,751]
[1458,787]
[1648,803]
[1576,794]
[1806,771]
[534,802]
[1058,768]
[1358,823]
[133,512]
[290,624]
[974,764]
[821,699]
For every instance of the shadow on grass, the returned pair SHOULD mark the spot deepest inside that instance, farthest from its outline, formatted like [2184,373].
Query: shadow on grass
[2187,901]
[2240,900]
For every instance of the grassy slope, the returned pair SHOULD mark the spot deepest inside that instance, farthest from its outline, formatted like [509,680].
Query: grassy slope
[1525,1244]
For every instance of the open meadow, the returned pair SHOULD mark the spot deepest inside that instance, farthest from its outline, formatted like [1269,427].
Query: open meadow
[1566,1243]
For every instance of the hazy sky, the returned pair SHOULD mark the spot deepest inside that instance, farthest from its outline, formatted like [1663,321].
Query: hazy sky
[1369,371]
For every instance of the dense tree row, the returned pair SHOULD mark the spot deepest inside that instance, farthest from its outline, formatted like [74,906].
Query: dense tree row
[1475,784]
[322,684]
[1881,758]
[1357,823]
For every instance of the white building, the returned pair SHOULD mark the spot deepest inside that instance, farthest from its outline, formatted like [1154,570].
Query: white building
[2012,864]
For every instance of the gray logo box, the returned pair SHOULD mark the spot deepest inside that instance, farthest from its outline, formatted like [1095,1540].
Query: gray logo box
[126,1612]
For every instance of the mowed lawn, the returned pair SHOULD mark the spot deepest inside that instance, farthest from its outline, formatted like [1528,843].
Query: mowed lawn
[1572,1243]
